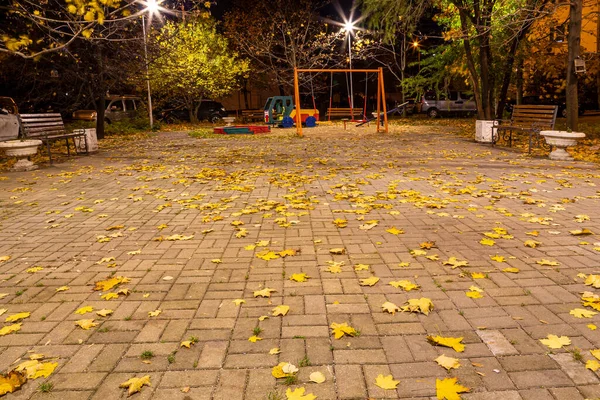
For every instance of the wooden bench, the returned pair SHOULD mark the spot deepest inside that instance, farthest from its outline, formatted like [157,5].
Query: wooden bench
[253,115]
[344,112]
[525,118]
[49,128]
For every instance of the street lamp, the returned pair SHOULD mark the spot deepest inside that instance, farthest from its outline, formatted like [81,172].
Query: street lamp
[349,28]
[152,7]
[415,45]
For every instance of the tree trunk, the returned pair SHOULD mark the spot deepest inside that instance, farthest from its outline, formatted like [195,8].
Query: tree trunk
[486,84]
[100,94]
[519,81]
[471,64]
[598,52]
[245,91]
[574,42]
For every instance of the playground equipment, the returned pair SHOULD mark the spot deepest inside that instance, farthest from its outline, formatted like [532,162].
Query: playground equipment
[381,106]
[281,111]
[241,130]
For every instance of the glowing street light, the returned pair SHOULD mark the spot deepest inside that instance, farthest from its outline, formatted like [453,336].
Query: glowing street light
[349,28]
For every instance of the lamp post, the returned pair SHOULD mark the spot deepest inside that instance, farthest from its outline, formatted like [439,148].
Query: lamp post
[151,7]
[416,47]
[349,27]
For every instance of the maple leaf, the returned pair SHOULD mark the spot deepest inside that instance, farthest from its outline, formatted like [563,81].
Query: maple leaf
[302,277]
[335,268]
[342,329]
[454,263]
[369,281]
[386,382]
[427,245]
[124,291]
[267,255]
[134,252]
[287,252]
[368,226]
[532,243]
[596,353]
[405,284]
[498,258]
[433,257]
[254,339]
[298,394]
[422,305]
[108,284]
[250,247]
[340,223]
[155,313]
[62,289]
[593,365]
[512,270]
[216,261]
[115,227]
[161,227]
[394,231]
[453,343]
[104,312]
[477,275]
[581,232]
[337,251]
[10,329]
[281,310]
[84,310]
[277,371]
[135,384]
[592,327]
[237,223]
[33,270]
[390,307]
[593,280]
[241,233]
[543,261]
[447,362]
[186,343]
[239,301]
[487,242]
[404,264]
[109,296]
[274,350]
[474,294]
[317,377]
[12,381]
[418,252]
[448,389]
[266,292]
[582,313]
[555,342]
[361,267]
[4,258]
[532,233]
[17,317]
[86,323]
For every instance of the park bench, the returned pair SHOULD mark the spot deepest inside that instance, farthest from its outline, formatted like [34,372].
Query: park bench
[529,119]
[344,112]
[253,115]
[49,128]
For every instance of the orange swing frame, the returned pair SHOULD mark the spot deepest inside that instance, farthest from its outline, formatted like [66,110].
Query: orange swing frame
[380,94]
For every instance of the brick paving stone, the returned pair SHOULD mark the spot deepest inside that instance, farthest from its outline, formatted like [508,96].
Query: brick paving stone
[259,179]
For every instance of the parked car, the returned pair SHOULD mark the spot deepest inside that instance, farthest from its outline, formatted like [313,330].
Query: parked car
[561,102]
[118,108]
[209,110]
[453,102]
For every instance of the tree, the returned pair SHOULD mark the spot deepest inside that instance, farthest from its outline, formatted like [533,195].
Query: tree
[279,38]
[490,32]
[193,62]
[574,42]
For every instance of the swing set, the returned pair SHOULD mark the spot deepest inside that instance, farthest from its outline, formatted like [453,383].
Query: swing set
[381,106]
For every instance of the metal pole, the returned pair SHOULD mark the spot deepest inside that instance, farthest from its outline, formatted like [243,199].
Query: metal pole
[147,72]
[351,89]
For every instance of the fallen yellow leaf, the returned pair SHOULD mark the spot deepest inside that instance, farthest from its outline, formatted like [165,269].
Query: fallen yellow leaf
[453,343]
[386,382]
[369,281]
[342,329]
[12,381]
[448,389]
[281,310]
[84,310]
[135,384]
[266,292]
[17,317]
[86,323]
[390,307]
[447,362]
[10,329]
[317,377]
[555,342]
[298,394]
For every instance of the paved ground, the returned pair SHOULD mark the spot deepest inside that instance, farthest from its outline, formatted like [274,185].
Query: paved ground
[288,191]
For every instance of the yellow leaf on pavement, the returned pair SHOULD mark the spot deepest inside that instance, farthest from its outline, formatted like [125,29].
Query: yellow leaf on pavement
[317,377]
[512,270]
[109,296]
[582,313]
[549,263]
[216,261]
[17,317]
[298,394]
[555,342]
[266,292]
[239,301]
[86,323]
[532,243]
[274,350]
[447,362]
[422,305]
[581,232]
[390,307]
[135,384]
[277,371]
[487,242]
[338,251]
[592,327]
[342,329]
[281,310]
[105,260]
[448,389]
[474,294]
[405,284]
[104,312]
[498,258]
[155,313]
[254,339]
[34,270]
[394,231]
[267,255]
[302,277]
[84,310]
[369,281]
[386,382]
[477,275]
[340,223]
[455,263]
[12,381]
[453,343]
[594,365]
[287,252]
[62,289]
[108,284]
[10,329]
[361,267]
[4,258]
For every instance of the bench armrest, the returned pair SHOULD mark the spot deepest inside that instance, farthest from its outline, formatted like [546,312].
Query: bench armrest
[502,121]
